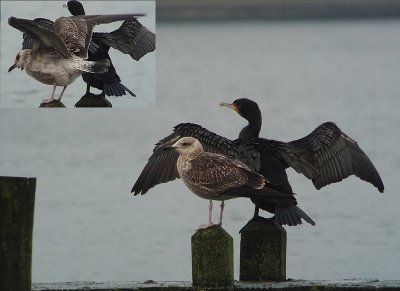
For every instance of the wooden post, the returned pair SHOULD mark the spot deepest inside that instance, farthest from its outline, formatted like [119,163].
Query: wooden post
[212,258]
[17,199]
[263,252]
[53,104]
[93,100]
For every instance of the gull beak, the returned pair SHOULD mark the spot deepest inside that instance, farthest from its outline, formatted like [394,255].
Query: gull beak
[230,105]
[12,68]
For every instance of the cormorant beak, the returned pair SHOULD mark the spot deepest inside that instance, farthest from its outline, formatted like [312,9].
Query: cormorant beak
[12,68]
[65,6]
[230,105]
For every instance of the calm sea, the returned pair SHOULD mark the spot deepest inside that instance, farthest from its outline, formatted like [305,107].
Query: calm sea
[89,227]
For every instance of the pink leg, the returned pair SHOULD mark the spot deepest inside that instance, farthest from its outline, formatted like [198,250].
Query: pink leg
[210,207]
[62,92]
[222,211]
[210,223]
[51,99]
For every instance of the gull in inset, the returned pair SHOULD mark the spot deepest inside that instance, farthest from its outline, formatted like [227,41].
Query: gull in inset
[59,56]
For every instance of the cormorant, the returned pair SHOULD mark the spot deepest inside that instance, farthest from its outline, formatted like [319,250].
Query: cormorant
[57,55]
[131,38]
[218,177]
[326,155]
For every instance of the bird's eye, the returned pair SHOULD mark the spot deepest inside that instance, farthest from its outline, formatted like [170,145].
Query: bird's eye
[185,144]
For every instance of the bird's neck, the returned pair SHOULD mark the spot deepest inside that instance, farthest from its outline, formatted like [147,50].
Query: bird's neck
[252,130]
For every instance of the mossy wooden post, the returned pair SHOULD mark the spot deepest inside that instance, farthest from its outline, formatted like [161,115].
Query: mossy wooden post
[92,100]
[212,258]
[263,252]
[17,199]
[53,104]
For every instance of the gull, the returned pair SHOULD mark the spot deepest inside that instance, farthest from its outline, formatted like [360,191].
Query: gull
[59,56]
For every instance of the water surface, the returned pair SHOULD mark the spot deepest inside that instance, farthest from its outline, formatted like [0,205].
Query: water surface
[89,227]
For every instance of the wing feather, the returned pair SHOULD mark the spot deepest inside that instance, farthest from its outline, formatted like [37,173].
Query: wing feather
[328,155]
[161,166]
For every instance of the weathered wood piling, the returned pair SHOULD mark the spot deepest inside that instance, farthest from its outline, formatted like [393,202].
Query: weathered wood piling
[212,258]
[263,252]
[92,100]
[17,200]
[53,104]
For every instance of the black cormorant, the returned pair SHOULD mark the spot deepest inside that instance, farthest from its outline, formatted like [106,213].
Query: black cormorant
[327,155]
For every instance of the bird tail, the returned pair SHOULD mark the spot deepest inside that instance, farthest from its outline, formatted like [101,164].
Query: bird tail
[94,66]
[291,215]
[116,89]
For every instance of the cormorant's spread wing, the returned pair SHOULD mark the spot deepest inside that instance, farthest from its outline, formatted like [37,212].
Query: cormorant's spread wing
[76,31]
[43,22]
[161,166]
[44,35]
[334,155]
[131,38]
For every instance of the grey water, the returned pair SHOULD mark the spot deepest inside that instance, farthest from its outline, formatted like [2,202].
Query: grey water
[20,90]
[89,227]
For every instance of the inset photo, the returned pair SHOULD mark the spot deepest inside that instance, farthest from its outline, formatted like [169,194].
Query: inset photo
[78,54]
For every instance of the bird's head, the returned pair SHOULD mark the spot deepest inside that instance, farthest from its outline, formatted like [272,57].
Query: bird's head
[20,60]
[188,145]
[75,7]
[245,107]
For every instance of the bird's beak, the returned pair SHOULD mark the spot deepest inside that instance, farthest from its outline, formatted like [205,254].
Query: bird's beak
[12,68]
[65,6]
[168,147]
[230,105]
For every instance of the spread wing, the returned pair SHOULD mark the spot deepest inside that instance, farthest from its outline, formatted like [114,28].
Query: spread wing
[43,22]
[161,166]
[131,38]
[43,35]
[328,155]
[76,31]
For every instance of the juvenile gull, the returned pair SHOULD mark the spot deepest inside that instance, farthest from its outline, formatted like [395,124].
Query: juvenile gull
[327,155]
[131,38]
[217,177]
[58,56]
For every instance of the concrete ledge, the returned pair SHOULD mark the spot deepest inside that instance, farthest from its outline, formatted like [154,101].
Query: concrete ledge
[298,285]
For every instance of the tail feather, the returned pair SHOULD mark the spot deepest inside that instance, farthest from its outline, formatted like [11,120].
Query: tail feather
[304,215]
[291,216]
[94,66]
[116,89]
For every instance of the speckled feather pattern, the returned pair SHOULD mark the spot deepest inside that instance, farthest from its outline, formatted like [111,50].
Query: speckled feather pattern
[209,174]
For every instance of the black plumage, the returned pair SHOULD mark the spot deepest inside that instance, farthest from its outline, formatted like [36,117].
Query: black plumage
[131,38]
[326,155]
